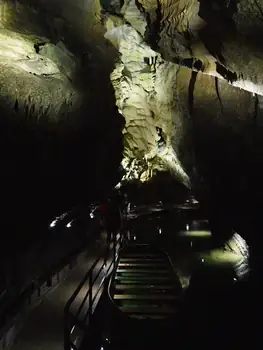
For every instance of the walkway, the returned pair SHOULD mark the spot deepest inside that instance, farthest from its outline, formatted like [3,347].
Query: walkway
[43,328]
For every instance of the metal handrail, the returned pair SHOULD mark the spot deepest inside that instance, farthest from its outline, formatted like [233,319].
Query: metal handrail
[74,319]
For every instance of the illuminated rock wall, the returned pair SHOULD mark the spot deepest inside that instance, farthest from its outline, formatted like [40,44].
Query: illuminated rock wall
[145,90]
[173,111]
[36,75]
[172,86]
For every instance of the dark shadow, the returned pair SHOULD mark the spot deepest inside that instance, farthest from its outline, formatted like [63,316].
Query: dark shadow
[220,25]
[191,93]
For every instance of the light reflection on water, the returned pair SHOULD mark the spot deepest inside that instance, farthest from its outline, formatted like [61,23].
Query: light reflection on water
[190,246]
[233,257]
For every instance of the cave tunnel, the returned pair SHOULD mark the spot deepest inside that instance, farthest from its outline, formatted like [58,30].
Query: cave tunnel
[89,104]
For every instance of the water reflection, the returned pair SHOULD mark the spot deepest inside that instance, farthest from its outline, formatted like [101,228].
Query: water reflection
[189,244]
[232,258]
[195,233]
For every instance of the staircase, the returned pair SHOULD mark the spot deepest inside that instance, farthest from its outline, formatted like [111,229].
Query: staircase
[145,285]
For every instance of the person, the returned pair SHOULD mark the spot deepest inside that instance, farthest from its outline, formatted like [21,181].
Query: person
[101,209]
[112,221]
[112,218]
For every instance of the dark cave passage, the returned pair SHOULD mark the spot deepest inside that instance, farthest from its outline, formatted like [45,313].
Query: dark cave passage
[48,170]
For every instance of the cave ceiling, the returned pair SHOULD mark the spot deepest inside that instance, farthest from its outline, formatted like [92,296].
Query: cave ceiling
[185,74]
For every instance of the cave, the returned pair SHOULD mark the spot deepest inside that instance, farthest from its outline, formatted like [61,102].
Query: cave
[148,96]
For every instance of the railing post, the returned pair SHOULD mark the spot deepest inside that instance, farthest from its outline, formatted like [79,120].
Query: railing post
[90,295]
[66,331]
[114,249]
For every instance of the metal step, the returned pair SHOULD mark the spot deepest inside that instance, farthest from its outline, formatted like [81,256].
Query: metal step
[136,304]
[140,282]
[163,297]
[148,310]
[143,271]
[127,260]
[142,278]
[147,276]
[142,289]
[152,316]
[141,255]
[144,286]
[141,264]
[161,292]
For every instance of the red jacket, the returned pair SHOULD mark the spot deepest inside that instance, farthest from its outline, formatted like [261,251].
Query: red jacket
[102,208]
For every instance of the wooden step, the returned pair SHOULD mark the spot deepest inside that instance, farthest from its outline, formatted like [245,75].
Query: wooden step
[163,297]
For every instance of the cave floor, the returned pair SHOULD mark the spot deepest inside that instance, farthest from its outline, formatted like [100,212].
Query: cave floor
[43,327]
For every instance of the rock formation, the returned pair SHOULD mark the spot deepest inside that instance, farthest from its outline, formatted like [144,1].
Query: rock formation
[189,92]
